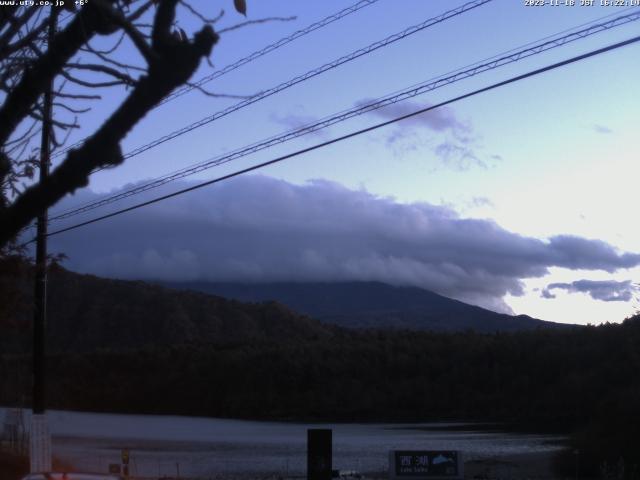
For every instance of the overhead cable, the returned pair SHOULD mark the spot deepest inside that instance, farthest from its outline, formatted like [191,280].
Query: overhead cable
[252,56]
[269,48]
[304,77]
[406,94]
[511,80]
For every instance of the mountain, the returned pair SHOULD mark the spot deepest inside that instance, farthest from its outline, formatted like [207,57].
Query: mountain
[372,305]
[88,313]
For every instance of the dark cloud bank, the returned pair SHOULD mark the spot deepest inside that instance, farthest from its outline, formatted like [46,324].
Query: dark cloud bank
[257,228]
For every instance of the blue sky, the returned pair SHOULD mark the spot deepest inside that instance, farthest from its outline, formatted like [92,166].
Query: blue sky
[555,155]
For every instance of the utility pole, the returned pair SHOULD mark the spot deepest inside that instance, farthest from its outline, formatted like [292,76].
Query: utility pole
[40,438]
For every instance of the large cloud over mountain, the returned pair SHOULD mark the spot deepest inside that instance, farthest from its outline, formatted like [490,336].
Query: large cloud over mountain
[257,228]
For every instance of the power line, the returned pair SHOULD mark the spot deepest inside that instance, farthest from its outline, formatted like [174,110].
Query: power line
[253,56]
[306,76]
[596,25]
[353,134]
[342,116]
[438,82]
[270,48]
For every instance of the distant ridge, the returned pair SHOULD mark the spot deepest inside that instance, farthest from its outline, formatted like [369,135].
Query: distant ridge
[372,305]
[88,313]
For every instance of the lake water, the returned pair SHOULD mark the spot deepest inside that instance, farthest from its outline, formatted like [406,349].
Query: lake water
[209,447]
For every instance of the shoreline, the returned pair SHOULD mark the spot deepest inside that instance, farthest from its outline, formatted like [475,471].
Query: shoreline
[517,465]
[534,465]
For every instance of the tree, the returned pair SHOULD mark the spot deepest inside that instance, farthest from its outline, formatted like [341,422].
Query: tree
[29,63]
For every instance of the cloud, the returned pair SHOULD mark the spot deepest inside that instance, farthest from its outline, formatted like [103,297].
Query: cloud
[457,145]
[481,202]
[257,228]
[296,121]
[546,293]
[602,129]
[439,120]
[604,290]
[459,156]
[580,253]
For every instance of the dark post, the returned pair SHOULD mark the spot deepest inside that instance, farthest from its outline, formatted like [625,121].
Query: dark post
[319,450]
[40,290]
[40,439]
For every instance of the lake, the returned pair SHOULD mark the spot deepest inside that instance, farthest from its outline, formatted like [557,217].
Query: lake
[209,447]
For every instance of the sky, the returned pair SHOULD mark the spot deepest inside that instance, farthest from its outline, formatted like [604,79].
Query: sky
[520,199]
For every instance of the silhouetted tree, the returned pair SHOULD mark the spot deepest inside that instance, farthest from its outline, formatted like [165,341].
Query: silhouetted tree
[28,63]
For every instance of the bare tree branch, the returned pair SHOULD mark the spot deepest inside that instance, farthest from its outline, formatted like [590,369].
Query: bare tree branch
[71,109]
[175,62]
[105,58]
[138,13]
[34,80]
[209,93]
[29,63]
[57,123]
[123,77]
[89,84]
[77,96]
[15,24]
[135,36]
[254,22]
[23,136]
[200,16]
[7,48]
[161,33]
[108,51]
[7,15]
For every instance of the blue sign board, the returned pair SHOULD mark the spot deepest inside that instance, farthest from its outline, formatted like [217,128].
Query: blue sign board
[428,464]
